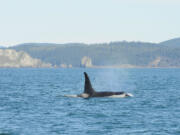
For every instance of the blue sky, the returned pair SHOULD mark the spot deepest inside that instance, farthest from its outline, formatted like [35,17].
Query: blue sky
[88,21]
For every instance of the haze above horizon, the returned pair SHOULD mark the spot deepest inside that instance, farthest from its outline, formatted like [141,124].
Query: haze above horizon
[62,21]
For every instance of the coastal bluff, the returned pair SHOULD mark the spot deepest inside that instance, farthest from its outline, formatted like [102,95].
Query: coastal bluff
[11,58]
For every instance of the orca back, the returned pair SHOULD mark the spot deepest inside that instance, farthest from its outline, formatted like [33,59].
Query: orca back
[90,92]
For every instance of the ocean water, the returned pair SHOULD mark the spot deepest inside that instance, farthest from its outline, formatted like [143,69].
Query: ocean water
[32,102]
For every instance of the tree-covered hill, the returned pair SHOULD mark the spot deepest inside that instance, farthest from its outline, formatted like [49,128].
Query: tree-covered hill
[137,54]
[172,42]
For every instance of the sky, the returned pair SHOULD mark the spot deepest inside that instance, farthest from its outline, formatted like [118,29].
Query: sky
[88,21]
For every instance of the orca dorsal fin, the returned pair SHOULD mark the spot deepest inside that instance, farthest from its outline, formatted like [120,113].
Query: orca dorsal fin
[87,86]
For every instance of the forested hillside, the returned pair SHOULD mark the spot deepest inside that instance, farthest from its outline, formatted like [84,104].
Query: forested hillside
[135,54]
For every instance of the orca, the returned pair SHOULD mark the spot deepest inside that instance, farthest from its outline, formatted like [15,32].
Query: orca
[89,91]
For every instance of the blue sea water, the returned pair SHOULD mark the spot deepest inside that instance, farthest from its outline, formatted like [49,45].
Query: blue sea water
[32,102]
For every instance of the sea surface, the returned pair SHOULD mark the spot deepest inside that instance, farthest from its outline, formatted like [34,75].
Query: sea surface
[32,102]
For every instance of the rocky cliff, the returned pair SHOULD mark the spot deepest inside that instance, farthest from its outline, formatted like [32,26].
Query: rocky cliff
[12,58]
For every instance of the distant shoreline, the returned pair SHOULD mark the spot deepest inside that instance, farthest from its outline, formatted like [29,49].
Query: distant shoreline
[120,54]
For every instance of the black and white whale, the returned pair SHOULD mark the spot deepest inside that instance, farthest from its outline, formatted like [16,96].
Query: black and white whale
[89,91]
